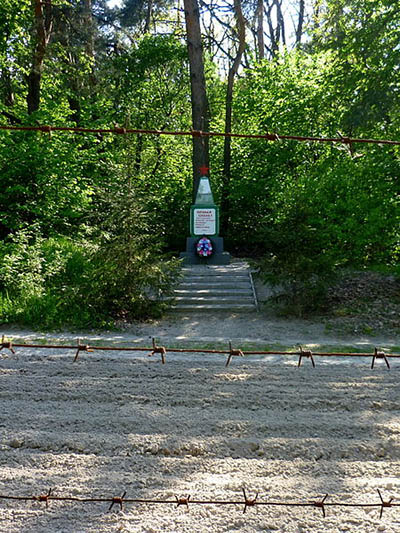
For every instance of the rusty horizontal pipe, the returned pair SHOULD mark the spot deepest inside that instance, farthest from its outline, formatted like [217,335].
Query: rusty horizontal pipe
[197,133]
[198,350]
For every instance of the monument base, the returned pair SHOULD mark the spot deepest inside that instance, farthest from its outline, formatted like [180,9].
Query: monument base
[218,257]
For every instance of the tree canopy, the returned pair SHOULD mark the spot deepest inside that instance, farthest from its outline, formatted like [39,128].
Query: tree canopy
[78,210]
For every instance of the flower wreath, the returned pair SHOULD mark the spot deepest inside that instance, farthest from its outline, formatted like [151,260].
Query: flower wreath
[204,247]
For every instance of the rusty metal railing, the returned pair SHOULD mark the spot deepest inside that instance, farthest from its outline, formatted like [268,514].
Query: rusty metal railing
[197,133]
[231,352]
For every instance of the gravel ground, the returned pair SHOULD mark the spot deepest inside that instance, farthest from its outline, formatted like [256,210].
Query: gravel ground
[112,423]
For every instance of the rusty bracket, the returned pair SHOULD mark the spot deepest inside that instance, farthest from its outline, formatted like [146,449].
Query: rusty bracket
[383,503]
[44,497]
[158,349]
[7,345]
[249,502]
[306,353]
[182,501]
[45,129]
[379,355]
[233,353]
[320,504]
[117,500]
[82,348]
[344,139]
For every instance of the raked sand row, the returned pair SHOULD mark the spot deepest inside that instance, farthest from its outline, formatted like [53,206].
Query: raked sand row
[110,424]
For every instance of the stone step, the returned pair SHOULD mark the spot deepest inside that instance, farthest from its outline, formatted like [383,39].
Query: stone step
[215,307]
[212,273]
[215,279]
[215,287]
[220,285]
[215,271]
[240,267]
[215,292]
[215,275]
[214,299]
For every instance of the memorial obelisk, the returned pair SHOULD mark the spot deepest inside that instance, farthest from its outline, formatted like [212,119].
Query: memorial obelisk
[204,246]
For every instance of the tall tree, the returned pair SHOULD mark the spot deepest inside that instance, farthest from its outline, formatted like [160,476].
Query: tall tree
[300,21]
[260,29]
[89,23]
[241,36]
[41,33]
[14,21]
[277,30]
[364,36]
[200,110]
[143,16]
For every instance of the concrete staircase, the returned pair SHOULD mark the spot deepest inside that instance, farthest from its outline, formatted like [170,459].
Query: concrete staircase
[227,287]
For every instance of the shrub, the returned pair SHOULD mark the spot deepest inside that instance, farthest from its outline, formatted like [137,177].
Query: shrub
[302,261]
[56,281]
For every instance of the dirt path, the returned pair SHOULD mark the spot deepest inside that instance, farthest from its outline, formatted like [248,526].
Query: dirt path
[250,328]
[204,329]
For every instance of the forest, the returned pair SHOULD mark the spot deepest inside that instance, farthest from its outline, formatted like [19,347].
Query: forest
[92,223]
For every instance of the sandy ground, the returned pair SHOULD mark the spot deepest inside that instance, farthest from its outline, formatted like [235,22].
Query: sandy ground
[112,423]
[249,328]
[205,328]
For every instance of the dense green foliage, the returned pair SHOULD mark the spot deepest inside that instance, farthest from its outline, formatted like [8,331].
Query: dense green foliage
[86,221]
[347,195]
[83,217]
[312,208]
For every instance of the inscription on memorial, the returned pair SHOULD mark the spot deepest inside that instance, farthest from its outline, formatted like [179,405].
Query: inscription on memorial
[204,221]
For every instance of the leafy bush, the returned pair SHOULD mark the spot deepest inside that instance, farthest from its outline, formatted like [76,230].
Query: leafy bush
[301,262]
[131,276]
[116,273]
[40,280]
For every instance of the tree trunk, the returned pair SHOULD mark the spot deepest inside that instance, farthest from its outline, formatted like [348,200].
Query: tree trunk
[300,22]
[40,35]
[200,113]
[226,178]
[260,29]
[8,97]
[148,16]
[280,22]
[274,46]
[89,28]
